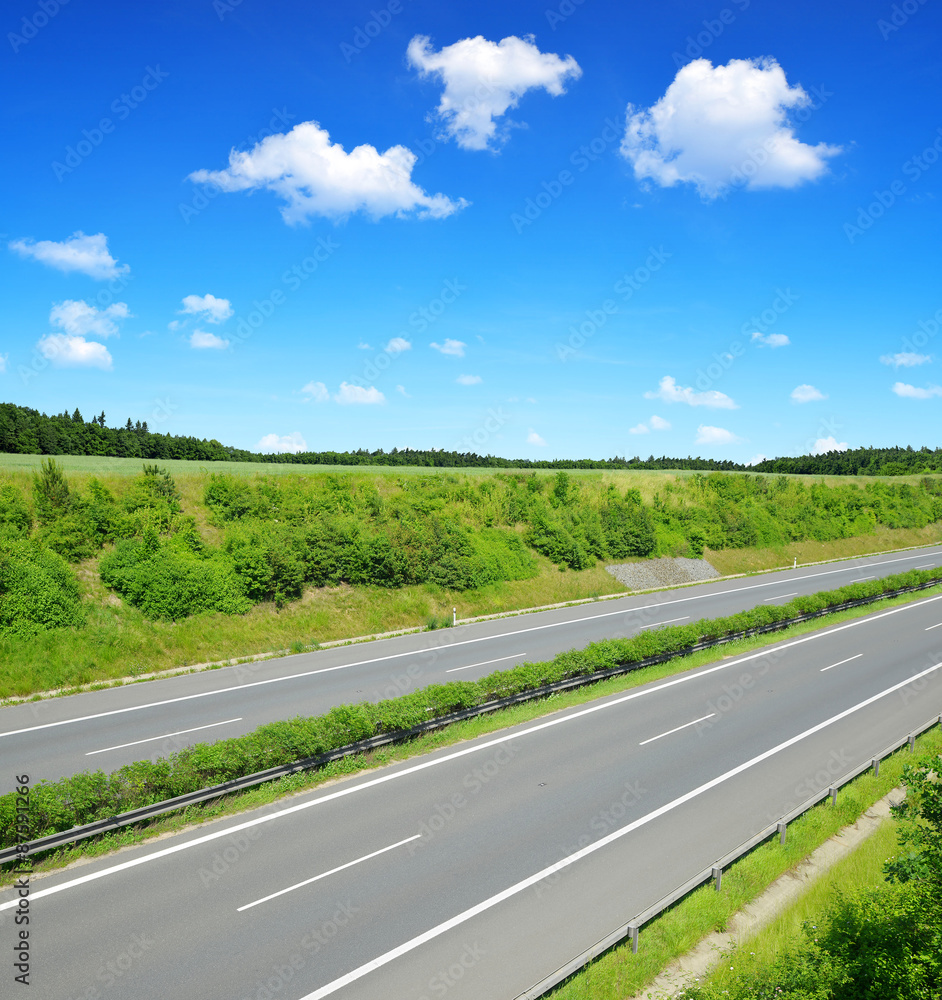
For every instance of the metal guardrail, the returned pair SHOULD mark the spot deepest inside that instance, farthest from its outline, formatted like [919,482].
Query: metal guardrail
[632,928]
[308,763]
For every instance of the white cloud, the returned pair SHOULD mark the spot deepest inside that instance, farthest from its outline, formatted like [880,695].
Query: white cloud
[914,392]
[756,459]
[485,79]
[364,346]
[272,443]
[806,394]
[86,254]
[201,340]
[905,359]
[534,438]
[641,428]
[715,435]
[469,380]
[397,345]
[3,362]
[670,392]
[659,424]
[823,445]
[771,339]
[74,352]
[401,389]
[356,394]
[207,307]
[316,392]
[79,319]
[315,176]
[715,127]
[453,347]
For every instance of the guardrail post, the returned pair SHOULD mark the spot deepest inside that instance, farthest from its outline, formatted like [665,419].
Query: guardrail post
[833,792]
[876,767]
[633,934]
[912,742]
[717,877]
[454,616]
[781,832]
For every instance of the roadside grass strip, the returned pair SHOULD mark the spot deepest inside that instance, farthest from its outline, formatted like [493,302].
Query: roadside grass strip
[90,797]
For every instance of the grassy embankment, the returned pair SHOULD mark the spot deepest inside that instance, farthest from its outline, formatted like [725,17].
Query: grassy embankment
[119,641]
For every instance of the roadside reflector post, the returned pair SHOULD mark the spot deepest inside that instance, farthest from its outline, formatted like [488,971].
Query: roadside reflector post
[876,767]
[717,877]
[454,616]
[833,793]
[912,742]
[633,934]
[781,832]
[796,563]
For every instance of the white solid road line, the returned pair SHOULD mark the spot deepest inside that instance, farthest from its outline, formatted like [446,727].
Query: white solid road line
[333,871]
[686,725]
[668,622]
[504,737]
[931,627]
[839,662]
[484,663]
[781,597]
[451,645]
[487,904]
[166,736]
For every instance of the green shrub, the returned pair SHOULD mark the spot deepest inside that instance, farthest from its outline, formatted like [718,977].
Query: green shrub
[38,591]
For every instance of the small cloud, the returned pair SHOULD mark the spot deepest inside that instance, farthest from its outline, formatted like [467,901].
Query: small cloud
[272,443]
[716,435]
[639,429]
[363,346]
[74,352]
[453,347]
[3,362]
[823,445]
[483,80]
[806,394]
[314,176]
[914,392]
[756,459]
[174,324]
[659,424]
[771,339]
[401,389]
[79,319]
[716,127]
[351,395]
[905,359]
[207,307]
[86,254]
[469,380]
[397,345]
[203,341]
[315,392]
[530,399]
[670,392]
[534,438]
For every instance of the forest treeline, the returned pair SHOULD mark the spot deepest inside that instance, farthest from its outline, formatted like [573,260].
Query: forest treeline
[29,432]
[271,536]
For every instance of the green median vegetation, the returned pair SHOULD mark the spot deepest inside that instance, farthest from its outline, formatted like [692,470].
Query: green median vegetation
[90,796]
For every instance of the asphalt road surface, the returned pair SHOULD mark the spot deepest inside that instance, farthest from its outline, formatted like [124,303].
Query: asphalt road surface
[478,870]
[106,729]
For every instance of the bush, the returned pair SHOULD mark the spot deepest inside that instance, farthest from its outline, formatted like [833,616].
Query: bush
[38,591]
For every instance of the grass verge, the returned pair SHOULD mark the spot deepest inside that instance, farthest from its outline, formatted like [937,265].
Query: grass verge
[453,734]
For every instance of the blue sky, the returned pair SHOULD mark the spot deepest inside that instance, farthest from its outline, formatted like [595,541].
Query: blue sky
[528,229]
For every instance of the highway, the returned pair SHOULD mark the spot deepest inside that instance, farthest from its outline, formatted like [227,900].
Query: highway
[105,729]
[478,870]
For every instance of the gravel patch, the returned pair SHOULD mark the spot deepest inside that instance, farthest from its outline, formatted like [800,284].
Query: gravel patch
[666,572]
